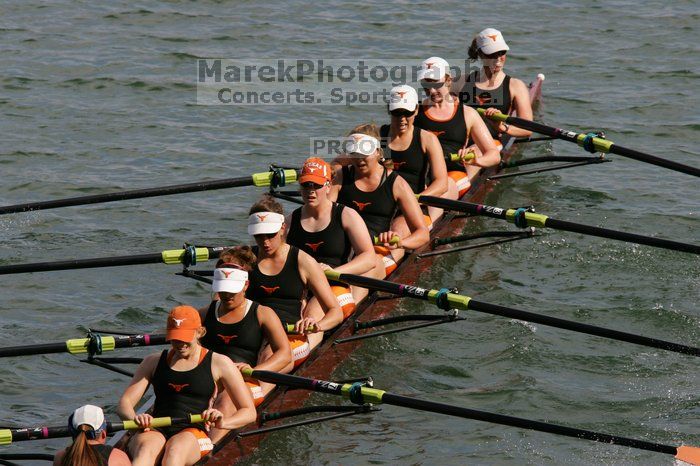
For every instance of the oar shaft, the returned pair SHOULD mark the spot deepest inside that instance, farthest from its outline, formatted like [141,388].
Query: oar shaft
[258,179]
[457,411]
[620,235]
[83,345]
[170,256]
[373,395]
[73,264]
[511,313]
[599,144]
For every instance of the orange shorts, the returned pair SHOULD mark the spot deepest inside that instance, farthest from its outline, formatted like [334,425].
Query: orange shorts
[345,299]
[300,348]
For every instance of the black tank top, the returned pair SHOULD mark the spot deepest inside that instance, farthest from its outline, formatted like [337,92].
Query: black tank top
[377,208]
[330,245]
[103,451]
[282,292]
[181,393]
[412,163]
[451,133]
[240,341]
[498,98]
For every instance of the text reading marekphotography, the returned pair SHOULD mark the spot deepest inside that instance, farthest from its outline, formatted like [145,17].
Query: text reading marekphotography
[307,81]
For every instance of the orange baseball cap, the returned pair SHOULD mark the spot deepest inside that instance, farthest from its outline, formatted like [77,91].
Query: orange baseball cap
[315,170]
[183,323]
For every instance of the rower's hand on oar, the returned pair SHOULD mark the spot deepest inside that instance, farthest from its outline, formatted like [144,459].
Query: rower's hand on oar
[306,325]
[212,418]
[242,366]
[144,421]
[468,155]
[389,239]
[501,126]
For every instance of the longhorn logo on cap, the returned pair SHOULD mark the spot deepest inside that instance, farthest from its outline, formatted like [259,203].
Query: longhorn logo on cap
[178,322]
[493,37]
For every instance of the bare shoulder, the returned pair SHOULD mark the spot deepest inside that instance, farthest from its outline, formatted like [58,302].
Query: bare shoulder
[119,458]
[518,85]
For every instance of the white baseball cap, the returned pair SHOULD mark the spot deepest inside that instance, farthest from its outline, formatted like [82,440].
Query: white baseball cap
[229,280]
[491,41]
[265,223]
[404,97]
[90,415]
[362,144]
[434,68]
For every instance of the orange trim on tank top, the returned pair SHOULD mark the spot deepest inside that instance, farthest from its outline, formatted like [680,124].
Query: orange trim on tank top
[202,355]
[454,112]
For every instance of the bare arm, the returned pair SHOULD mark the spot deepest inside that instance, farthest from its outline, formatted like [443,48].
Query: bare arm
[414,217]
[315,279]
[279,343]
[137,387]
[119,458]
[336,183]
[226,372]
[438,169]
[356,229]
[522,105]
[489,156]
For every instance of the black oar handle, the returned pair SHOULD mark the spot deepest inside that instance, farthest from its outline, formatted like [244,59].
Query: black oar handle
[93,344]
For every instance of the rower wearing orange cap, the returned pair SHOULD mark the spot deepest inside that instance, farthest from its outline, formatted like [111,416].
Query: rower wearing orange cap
[330,233]
[378,194]
[454,124]
[283,274]
[415,153]
[248,333]
[491,88]
[184,381]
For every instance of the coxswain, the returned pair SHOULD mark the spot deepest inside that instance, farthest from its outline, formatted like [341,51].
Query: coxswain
[454,124]
[248,333]
[378,194]
[491,88]
[334,235]
[185,379]
[283,276]
[88,428]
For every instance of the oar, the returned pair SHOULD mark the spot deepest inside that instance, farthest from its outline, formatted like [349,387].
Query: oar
[360,394]
[523,218]
[456,301]
[8,436]
[187,256]
[93,343]
[592,143]
[257,179]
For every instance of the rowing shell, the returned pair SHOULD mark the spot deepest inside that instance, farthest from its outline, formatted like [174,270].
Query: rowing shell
[327,357]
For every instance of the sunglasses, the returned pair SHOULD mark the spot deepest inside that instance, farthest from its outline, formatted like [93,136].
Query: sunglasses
[431,85]
[400,112]
[494,55]
[312,186]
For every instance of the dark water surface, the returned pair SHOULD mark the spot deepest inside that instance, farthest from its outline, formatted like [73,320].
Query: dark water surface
[100,96]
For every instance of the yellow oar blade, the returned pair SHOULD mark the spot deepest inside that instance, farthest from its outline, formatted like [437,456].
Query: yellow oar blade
[690,455]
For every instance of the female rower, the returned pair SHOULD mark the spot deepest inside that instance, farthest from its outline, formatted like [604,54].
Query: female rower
[330,233]
[377,194]
[414,151]
[491,88]
[283,275]
[184,380]
[88,428]
[239,328]
[454,124]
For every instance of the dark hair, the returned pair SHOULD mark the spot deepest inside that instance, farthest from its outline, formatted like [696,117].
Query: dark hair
[81,453]
[266,203]
[473,50]
[241,255]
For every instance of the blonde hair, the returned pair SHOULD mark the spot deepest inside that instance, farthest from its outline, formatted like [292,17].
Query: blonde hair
[370,129]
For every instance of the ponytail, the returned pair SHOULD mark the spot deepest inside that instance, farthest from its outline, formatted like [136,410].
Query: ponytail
[473,50]
[81,452]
